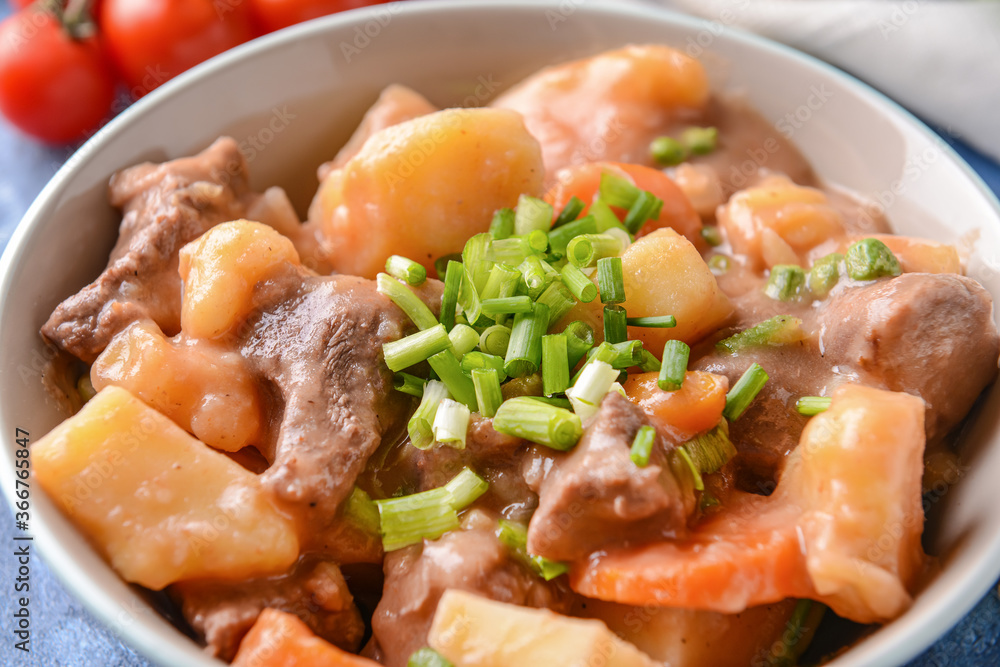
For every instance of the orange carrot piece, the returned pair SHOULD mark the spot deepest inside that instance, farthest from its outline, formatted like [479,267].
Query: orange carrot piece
[279,639]
[584,181]
[697,406]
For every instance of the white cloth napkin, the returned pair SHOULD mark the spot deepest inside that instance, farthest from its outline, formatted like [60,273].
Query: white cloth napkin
[939,59]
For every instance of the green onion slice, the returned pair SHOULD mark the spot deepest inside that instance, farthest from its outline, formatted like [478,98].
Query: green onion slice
[617,191]
[571,211]
[586,249]
[744,391]
[405,269]
[495,340]
[642,445]
[812,405]
[524,352]
[667,151]
[408,384]
[778,330]
[428,657]
[406,300]
[459,384]
[674,365]
[611,279]
[451,423]
[533,214]
[654,322]
[787,282]
[869,259]
[538,422]
[412,349]
[591,387]
[578,283]
[486,382]
[453,277]
[555,364]
[615,324]
[502,225]
[420,427]
[360,510]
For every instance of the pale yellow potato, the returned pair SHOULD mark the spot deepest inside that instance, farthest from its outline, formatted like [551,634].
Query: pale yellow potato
[422,187]
[159,505]
[200,385]
[472,631]
[693,638]
[798,216]
[665,275]
[220,270]
[857,474]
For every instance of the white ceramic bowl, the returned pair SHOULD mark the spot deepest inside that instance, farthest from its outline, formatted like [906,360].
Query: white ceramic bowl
[295,96]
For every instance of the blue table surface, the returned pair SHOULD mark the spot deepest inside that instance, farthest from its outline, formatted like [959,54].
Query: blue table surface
[64,632]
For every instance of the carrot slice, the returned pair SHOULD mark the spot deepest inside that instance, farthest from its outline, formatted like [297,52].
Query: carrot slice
[279,639]
[695,407]
[748,555]
[584,181]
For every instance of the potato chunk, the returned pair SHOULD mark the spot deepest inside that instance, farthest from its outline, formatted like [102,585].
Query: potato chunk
[161,506]
[859,480]
[472,631]
[201,386]
[220,270]
[421,188]
[665,275]
[777,222]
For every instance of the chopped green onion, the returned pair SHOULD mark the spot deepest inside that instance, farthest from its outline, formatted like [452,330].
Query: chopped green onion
[649,363]
[535,275]
[685,457]
[798,634]
[420,427]
[655,322]
[559,301]
[718,264]
[553,400]
[533,214]
[502,282]
[502,226]
[579,339]
[537,241]
[578,283]
[465,488]
[524,352]
[406,300]
[586,249]
[615,324]
[511,251]
[441,263]
[812,405]
[642,446]
[405,269]
[824,274]
[428,657]
[408,384]
[620,355]
[590,389]
[453,277]
[476,261]
[711,235]
[869,259]
[605,352]
[617,191]
[711,450]
[786,283]
[476,359]
[464,339]
[778,330]
[560,237]
[468,296]
[667,151]
[413,349]
[537,422]
[611,279]
[486,382]
[700,140]
[360,510]
[459,384]
[675,360]
[514,536]
[707,501]
[555,364]
[507,305]
[451,423]
[605,218]
[573,208]
[646,207]
[495,340]
[744,391]
[529,385]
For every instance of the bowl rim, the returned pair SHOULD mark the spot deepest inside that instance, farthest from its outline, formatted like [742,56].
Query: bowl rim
[923,631]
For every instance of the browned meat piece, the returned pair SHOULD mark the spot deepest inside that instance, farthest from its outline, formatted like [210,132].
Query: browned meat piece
[319,342]
[931,335]
[222,612]
[595,495]
[471,560]
[164,207]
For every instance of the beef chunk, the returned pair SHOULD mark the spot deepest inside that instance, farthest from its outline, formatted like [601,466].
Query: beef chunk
[222,612]
[165,206]
[318,341]
[595,495]
[470,560]
[931,335]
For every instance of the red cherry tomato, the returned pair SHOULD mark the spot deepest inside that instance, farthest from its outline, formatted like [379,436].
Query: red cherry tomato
[52,87]
[152,41]
[271,15]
